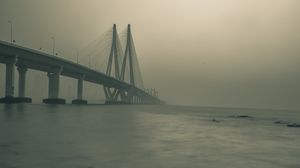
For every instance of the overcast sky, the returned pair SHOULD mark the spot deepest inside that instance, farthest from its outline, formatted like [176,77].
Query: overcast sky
[236,53]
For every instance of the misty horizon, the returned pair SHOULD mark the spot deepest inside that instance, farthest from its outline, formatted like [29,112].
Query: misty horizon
[203,53]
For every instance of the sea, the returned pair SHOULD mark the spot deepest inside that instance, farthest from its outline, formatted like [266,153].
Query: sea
[147,136]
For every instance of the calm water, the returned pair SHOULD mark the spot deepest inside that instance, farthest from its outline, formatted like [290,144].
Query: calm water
[94,136]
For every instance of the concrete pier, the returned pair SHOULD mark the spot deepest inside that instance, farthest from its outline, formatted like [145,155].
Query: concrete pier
[53,87]
[10,62]
[79,99]
[10,77]
[22,85]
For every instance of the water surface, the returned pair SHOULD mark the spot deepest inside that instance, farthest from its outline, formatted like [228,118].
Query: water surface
[92,136]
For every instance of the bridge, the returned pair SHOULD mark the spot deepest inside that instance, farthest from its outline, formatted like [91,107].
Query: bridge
[120,81]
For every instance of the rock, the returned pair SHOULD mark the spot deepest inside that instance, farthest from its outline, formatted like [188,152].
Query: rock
[294,125]
[280,122]
[214,120]
[244,116]
[241,116]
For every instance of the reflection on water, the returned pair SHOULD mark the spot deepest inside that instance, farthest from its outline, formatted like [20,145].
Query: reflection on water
[62,136]
[10,110]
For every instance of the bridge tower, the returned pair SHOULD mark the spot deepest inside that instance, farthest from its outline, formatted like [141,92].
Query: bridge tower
[125,65]
[128,97]
[113,67]
[128,56]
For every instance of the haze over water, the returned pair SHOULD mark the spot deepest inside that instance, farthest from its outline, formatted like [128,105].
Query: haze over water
[68,136]
[232,53]
[209,53]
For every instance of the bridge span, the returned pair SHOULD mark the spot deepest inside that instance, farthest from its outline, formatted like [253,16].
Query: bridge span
[116,89]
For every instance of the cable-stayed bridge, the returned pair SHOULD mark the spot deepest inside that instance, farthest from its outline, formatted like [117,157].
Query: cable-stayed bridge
[121,78]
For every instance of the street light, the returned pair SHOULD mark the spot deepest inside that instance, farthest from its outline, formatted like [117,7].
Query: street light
[77,55]
[11,31]
[89,61]
[53,38]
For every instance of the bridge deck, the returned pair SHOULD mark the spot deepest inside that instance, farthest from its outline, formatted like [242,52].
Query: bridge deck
[37,60]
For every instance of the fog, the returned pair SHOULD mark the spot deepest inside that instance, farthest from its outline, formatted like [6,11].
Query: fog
[234,53]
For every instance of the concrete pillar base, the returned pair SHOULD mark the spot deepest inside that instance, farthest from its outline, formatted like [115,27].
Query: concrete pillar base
[115,102]
[10,100]
[79,101]
[54,101]
[24,99]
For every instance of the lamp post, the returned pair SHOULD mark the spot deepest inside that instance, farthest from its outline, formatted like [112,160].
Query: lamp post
[77,52]
[11,31]
[89,61]
[53,38]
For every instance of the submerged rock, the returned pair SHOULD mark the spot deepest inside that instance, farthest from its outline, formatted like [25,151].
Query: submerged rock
[244,116]
[240,116]
[215,120]
[294,125]
[280,122]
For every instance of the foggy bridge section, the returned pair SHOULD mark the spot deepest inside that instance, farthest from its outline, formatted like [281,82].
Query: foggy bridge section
[122,80]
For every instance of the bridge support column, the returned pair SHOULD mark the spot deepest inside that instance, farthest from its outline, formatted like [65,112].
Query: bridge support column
[143,100]
[9,80]
[139,100]
[134,100]
[79,99]
[10,77]
[53,88]
[22,83]
[129,99]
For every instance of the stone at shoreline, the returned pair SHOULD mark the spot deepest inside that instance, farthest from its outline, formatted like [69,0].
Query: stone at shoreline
[215,120]
[294,125]
[240,116]
[280,122]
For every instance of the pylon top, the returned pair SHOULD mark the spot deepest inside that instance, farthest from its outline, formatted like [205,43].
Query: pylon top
[129,27]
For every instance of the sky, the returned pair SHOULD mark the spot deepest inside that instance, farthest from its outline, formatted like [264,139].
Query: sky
[233,53]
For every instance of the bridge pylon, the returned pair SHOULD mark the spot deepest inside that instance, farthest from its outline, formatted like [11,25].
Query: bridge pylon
[113,68]
[120,62]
